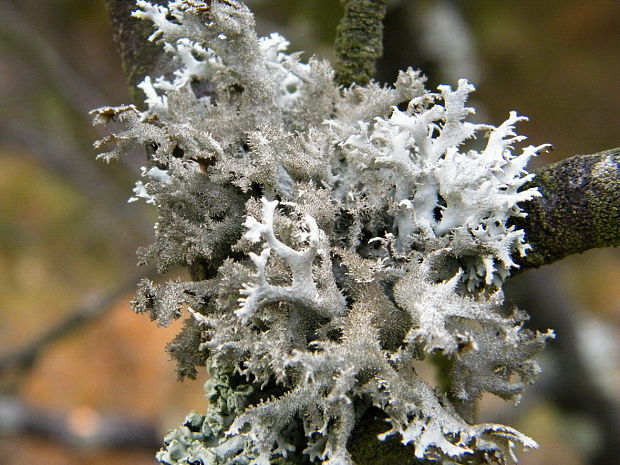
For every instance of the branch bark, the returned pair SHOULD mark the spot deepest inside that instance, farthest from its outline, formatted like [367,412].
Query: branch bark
[139,56]
[579,208]
[359,41]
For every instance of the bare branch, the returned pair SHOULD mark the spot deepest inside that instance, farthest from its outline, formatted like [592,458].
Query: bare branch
[77,428]
[23,359]
[77,91]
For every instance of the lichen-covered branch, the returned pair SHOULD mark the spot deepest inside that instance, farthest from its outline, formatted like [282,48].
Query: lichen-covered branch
[359,41]
[579,208]
[376,237]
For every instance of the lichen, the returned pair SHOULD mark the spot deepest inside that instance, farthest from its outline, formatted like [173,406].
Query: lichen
[341,235]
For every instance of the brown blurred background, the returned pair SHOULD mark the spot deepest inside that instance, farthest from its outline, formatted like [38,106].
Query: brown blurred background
[84,380]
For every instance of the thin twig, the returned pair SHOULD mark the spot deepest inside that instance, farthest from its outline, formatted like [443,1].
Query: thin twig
[40,53]
[61,156]
[75,89]
[77,428]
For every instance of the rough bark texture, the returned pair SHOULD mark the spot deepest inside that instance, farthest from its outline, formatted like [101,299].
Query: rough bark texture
[359,41]
[579,208]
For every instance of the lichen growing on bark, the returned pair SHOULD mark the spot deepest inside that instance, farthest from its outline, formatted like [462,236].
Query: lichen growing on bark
[341,234]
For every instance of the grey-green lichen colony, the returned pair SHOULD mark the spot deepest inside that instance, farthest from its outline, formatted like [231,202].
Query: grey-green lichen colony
[341,234]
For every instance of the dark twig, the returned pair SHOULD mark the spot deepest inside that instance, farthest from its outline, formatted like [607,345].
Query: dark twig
[76,92]
[74,88]
[62,156]
[84,428]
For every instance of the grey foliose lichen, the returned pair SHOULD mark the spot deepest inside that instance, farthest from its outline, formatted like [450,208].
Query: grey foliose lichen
[346,234]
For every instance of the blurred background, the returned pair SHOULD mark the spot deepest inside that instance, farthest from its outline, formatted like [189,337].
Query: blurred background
[84,380]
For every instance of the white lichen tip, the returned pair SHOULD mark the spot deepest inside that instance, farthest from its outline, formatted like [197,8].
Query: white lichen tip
[257,229]
[159,16]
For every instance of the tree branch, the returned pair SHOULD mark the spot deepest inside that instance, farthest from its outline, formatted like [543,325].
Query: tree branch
[359,41]
[139,56]
[579,208]
[40,53]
